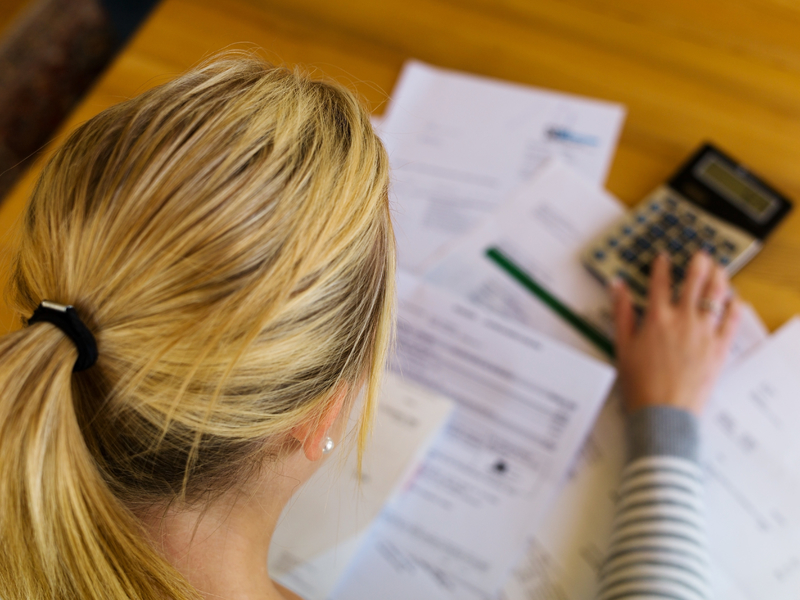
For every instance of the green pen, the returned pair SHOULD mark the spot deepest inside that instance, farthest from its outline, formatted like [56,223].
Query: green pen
[589,331]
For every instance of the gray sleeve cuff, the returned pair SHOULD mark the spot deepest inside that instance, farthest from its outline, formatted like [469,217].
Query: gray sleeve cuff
[663,430]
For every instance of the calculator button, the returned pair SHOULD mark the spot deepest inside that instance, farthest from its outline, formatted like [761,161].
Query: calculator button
[632,283]
[599,255]
[627,230]
[689,217]
[670,220]
[627,255]
[641,218]
[672,203]
[709,231]
[729,246]
[656,231]
[724,260]
[655,207]
[708,247]
[691,250]
[682,259]
[688,233]
[644,269]
[647,255]
[612,243]
[643,243]
[674,246]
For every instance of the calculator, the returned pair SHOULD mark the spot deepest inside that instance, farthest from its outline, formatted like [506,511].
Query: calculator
[713,203]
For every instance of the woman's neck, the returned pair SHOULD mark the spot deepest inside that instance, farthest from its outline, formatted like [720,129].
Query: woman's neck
[222,548]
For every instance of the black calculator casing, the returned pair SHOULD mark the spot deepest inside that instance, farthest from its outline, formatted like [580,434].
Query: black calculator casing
[693,189]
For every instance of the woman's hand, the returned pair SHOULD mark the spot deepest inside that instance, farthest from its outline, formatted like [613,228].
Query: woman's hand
[674,356]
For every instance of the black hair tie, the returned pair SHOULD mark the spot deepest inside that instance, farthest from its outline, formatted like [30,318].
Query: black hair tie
[68,321]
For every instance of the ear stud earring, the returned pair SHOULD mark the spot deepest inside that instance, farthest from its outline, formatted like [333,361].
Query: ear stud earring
[327,446]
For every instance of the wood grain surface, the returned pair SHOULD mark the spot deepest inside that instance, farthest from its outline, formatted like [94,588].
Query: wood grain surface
[688,71]
[9,11]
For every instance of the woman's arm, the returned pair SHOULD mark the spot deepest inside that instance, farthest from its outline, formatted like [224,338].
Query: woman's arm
[658,548]
[668,366]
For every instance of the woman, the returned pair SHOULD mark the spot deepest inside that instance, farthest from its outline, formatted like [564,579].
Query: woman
[226,243]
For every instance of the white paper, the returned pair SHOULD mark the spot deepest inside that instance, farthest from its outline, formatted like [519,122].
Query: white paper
[544,227]
[324,524]
[524,405]
[752,463]
[458,144]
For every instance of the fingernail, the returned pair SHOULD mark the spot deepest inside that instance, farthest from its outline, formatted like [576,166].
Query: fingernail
[698,259]
[616,285]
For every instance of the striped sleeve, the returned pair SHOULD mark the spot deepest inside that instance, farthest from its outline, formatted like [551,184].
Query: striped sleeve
[658,547]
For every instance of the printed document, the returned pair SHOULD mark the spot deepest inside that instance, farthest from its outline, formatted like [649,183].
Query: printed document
[525,403]
[326,521]
[543,227]
[752,464]
[458,144]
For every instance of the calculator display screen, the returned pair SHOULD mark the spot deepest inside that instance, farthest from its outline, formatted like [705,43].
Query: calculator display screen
[720,177]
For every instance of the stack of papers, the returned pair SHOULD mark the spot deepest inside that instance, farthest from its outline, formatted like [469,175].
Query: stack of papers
[525,403]
[544,226]
[752,461]
[516,495]
[459,144]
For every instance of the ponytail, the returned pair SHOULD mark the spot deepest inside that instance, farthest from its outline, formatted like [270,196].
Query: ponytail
[64,534]
[227,239]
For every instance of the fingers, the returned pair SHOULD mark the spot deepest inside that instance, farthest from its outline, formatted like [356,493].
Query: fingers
[660,285]
[717,291]
[624,318]
[730,321]
[700,268]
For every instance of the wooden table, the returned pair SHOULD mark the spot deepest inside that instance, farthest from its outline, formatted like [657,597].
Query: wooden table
[688,70]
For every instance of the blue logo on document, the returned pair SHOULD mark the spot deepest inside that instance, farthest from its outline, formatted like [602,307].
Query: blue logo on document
[562,134]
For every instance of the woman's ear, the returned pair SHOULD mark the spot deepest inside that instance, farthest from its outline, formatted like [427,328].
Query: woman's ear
[312,434]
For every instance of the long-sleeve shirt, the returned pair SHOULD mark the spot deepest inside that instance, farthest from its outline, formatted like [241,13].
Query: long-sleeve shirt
[658,547]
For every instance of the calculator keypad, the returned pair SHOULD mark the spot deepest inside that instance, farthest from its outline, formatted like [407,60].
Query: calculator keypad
[662,223]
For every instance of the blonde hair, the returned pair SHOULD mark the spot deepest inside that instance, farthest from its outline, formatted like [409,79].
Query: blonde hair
[226,237]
